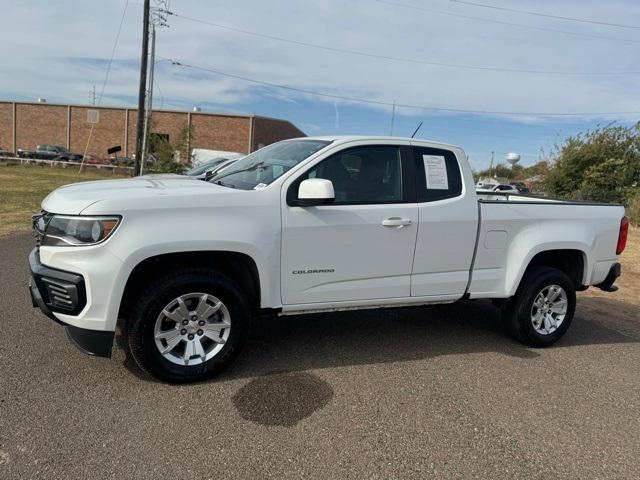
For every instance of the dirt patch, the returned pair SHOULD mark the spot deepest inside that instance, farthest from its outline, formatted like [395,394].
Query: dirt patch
[629,282]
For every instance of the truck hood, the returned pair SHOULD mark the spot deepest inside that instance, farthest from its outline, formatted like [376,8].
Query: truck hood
[73,199]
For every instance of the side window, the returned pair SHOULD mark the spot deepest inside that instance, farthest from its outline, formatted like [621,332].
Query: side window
[438,174]
[362,175]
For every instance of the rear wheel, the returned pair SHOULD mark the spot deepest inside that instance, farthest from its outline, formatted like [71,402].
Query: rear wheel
[543,307]
[188,325]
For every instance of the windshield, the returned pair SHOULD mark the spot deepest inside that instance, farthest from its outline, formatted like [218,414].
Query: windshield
[264,166]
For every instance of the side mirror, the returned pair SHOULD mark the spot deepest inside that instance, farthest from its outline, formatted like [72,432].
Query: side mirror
[208,175]
[315,191]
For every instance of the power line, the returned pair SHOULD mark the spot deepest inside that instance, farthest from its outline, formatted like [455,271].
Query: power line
[501,22]
[398,59]
[390,104]
[546,15]
[106,79]
[113,51]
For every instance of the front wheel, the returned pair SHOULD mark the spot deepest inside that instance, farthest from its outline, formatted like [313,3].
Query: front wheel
[188,325]
[543,307]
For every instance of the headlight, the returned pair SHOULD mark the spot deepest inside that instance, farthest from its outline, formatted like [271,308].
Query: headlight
[67,231]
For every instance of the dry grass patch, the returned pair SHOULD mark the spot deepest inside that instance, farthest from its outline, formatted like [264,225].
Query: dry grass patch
[22,188]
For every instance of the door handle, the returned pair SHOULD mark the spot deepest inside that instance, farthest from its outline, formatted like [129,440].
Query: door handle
[397,222]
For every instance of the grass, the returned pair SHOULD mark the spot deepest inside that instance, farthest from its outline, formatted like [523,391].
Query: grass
[22,188]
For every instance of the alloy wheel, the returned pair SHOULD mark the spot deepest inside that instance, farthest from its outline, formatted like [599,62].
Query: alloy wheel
[192,329]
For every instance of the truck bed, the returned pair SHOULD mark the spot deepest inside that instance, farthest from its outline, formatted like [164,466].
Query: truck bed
[513,228]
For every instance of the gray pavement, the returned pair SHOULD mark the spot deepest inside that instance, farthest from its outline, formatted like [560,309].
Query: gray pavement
[437,392]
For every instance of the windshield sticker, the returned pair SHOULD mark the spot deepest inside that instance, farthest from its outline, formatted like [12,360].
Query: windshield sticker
[435,170]
[259,186]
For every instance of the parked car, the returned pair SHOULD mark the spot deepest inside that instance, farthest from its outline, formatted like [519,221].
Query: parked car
[501,188]
[50,152]
[6,153]
[521,187]
[202,155]
[485,186]
[307,225]
[208,169]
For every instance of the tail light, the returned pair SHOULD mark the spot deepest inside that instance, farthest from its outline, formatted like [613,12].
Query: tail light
[622,236]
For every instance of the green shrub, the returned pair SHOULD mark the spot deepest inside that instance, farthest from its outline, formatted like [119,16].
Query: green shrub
[168,154]
[601,164]
[606,182]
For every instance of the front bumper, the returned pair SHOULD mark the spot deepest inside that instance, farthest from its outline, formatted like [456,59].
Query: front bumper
[57,291]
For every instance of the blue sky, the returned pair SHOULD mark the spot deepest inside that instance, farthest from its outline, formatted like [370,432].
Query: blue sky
[65,49]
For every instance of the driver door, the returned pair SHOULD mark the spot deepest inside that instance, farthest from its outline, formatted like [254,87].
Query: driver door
[359,247]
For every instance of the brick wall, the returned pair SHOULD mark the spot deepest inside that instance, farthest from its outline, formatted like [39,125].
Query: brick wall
[109,130]
[38,124]
[168,123]
[130,149]
[220,132]
[270,130]
[67,125]
[6,126]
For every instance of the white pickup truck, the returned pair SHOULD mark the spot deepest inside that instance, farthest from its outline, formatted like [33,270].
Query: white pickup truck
[181,266]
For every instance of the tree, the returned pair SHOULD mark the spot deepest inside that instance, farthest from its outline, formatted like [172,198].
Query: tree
[167,154]
[602,164]
[606,181]
[514,173]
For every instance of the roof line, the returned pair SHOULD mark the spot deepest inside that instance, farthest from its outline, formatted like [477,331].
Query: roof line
[164,110]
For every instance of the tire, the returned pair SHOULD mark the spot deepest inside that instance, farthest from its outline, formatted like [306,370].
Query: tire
[142,325]
[531,325]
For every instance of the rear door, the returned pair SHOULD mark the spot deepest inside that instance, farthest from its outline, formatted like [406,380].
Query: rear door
[448,220]
[361,246]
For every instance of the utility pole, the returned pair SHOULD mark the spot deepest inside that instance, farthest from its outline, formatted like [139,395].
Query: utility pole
[149,107]
[491,165]
[142,90]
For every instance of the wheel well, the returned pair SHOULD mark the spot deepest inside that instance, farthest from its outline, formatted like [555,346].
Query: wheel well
[239,267]
[571,262]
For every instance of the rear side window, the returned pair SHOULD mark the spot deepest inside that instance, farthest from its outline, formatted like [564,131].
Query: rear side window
[438,174]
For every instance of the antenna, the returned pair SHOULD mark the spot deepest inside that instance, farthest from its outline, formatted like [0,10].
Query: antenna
[416,130]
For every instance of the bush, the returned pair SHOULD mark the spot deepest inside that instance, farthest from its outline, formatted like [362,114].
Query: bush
[606,182]
[602,164]
[167,154]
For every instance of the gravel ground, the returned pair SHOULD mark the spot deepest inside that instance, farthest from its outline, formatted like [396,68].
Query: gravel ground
[435,392]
